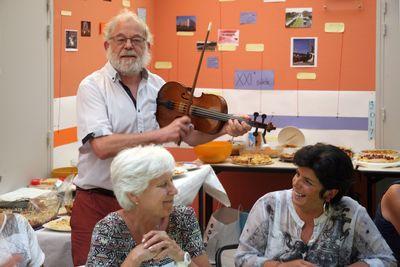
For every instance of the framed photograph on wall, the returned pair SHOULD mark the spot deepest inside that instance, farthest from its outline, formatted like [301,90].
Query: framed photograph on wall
[298,17]
[85,28]
[303,52]
[71,40]
[186,23]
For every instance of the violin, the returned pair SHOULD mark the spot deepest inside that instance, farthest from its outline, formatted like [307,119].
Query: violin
[208,112]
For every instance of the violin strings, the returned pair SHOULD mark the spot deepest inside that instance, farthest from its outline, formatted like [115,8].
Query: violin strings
[209,113]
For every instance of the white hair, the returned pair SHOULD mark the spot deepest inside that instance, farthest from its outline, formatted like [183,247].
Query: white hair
[126,15]
[133,168]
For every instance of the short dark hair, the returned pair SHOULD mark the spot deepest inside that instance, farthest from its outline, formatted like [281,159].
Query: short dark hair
[331,165]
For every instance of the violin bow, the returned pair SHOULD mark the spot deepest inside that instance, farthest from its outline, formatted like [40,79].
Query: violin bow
[190,102]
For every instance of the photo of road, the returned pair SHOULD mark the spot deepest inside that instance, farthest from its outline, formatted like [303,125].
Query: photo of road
[298,17]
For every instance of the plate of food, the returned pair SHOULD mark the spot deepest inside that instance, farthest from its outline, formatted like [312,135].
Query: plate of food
[379,158]
[178,171]
[61,224]
[252,159]
[189,166]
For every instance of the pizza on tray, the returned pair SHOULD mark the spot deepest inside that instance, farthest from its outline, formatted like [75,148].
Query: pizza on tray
[252,159]
[379,156]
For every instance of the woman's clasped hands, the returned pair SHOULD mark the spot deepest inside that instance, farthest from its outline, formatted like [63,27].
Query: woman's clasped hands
[156,245]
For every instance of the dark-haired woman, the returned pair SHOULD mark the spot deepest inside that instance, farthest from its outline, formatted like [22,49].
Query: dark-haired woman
[313,224]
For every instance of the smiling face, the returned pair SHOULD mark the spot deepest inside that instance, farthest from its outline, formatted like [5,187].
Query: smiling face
[306,191]
[127,49]
[158,197]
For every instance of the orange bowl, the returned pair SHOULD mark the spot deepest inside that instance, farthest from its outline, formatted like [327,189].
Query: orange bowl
[213,152]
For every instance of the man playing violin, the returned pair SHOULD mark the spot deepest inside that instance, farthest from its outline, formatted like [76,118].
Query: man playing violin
[116,108]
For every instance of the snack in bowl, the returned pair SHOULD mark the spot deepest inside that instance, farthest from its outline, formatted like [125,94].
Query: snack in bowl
[252,159]
[62,224]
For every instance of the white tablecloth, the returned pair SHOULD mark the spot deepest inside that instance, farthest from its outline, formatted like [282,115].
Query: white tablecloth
[57,245]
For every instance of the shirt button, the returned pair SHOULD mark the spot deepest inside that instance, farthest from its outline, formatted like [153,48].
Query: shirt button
[138,110]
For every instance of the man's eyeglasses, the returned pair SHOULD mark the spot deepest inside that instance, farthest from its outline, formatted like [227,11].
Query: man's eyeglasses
[136,40]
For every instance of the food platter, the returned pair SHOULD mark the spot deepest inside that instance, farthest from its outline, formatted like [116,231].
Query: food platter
[378,165]
[252,160]
[61,224]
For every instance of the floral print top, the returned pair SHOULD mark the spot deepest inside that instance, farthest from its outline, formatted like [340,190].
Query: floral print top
[341,236]
[112,241]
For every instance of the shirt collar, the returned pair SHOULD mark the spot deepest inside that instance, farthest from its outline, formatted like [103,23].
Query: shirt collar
[114,75]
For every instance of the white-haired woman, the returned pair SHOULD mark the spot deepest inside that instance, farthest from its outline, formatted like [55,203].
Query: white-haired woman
[148,230]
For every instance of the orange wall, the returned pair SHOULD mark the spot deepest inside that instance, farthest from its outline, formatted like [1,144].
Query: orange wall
[90,55]
[358,54]
[357,68]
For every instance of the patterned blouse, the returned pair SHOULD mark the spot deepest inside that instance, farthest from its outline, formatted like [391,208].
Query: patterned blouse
[112,241]
[343,235]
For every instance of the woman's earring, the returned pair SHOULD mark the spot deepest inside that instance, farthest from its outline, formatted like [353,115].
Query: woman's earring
[326,206]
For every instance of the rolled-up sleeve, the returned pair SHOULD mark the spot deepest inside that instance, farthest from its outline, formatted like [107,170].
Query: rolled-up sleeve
[92,115]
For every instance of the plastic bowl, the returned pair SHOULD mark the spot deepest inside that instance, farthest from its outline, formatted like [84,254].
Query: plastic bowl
[213,152]
[64,172]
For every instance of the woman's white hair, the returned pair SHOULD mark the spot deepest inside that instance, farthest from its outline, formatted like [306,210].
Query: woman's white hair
[126,15]
[132,170]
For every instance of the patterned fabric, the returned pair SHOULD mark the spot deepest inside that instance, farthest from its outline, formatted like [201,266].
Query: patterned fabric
[343,235]
[112,241]
[18,237]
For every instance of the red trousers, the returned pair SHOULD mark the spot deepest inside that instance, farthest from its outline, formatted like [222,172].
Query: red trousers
[89,208]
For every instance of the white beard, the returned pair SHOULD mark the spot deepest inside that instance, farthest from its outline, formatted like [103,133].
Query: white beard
[129,66]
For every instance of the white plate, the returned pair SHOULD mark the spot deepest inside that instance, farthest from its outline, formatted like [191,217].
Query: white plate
[55,226]
[291,136]
[376,165]
[188,165]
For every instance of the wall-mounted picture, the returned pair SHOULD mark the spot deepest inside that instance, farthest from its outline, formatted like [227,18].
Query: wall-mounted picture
[298,17]
[85,28]
[211,45]
[303,52]
[71,40]
[185,23]
[141,12]
[228,37]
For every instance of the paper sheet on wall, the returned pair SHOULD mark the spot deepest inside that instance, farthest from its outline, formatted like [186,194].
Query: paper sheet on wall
[126,3]
[141,12]
[254,79]
[163,65]
[248,17]
[334,27]
[371,120]
[254,47]
[212,63]
[306,76]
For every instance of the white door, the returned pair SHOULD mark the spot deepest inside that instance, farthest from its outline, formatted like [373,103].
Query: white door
[388,74]
[25,92]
